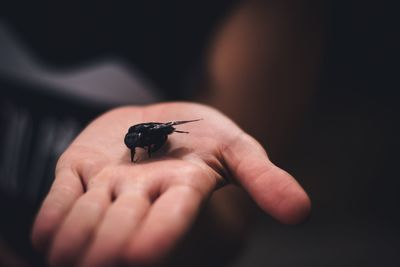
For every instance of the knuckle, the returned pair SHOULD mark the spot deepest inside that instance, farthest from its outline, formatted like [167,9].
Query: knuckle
[103,178]
[92,206]
[61,192]
[88,167]
[81,159]
[63,162]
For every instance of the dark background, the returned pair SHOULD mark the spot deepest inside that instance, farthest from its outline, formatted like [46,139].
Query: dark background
[164,39]
[346,154]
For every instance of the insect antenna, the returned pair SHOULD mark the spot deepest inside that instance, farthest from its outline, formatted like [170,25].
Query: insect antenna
[182,122]
[176,131]
[172,123]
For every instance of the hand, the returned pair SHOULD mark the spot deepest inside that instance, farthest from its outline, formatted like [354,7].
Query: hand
[102,209]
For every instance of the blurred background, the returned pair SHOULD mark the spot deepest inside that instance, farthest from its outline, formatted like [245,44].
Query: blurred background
[315,81]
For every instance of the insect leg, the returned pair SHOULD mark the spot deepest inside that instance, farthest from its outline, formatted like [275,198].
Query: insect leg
[176,131]
[132,154]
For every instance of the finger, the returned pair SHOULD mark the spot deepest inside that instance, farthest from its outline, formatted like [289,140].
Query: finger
[75,232]
[119,222]
[274,190]
[167,221]
[65,190]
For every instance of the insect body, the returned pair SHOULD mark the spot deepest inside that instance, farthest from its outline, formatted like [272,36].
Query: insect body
[150,135]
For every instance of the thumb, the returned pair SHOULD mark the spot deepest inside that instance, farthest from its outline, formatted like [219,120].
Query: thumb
[273,189]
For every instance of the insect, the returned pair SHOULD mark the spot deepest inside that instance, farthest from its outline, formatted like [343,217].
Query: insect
[150,135]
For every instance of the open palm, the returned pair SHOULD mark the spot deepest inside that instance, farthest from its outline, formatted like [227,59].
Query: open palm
[102,209]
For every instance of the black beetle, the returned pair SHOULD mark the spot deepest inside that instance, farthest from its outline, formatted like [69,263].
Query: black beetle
[150,135]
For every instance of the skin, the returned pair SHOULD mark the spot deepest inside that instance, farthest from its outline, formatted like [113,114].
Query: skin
[103,210]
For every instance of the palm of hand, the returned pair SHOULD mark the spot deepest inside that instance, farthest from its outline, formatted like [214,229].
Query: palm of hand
[102,208]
